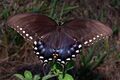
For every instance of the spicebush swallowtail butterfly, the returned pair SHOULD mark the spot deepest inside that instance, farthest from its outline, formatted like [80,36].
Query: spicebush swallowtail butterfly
[58,42]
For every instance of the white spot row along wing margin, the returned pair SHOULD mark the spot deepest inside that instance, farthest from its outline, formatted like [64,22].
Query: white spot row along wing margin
[94,39]
[25,33]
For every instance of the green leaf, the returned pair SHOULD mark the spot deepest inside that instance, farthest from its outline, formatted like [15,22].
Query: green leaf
[66,77]
[99,60]
[5,13]
[70,65]
[53,7]
[57,67]
[89,57]
[48,77]
[68,9]
[19,76]
[36,77]
[28,75]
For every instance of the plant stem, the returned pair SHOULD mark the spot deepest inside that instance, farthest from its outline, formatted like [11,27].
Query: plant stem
[62,10]
[53,6]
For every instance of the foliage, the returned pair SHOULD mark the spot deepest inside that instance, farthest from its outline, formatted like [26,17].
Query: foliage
[57,73]
[90,62]
[27,76]
[5,13]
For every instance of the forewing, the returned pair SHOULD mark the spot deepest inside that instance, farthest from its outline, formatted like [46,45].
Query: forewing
[87,31]
[31,25]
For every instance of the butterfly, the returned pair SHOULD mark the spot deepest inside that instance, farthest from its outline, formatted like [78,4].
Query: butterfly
[52,41]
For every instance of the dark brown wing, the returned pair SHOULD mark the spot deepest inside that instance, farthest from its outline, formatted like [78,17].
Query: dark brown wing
[58,39]
[87,31]
[32,25]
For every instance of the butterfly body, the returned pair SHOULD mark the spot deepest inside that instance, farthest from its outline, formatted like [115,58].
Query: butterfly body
[58,42]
